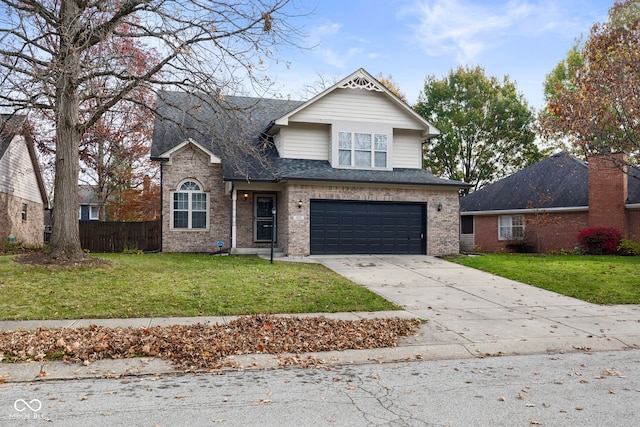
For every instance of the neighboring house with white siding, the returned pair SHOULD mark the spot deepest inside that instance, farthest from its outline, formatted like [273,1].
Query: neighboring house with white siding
[23,197]
[343,172]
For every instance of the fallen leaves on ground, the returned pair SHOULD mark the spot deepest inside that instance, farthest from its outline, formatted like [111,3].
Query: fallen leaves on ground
[193,347]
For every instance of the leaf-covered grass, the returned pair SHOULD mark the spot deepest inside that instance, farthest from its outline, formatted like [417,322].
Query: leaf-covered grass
[168,285]
[595,279]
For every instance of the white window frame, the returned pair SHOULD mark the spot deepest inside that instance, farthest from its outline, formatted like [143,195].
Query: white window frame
[190,205]
[352,128]
[372,150]
[94,213]
[511,227]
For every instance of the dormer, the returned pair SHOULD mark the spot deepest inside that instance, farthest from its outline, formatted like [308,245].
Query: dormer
[356,124]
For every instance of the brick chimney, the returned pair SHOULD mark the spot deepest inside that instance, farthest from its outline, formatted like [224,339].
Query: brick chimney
[608,191]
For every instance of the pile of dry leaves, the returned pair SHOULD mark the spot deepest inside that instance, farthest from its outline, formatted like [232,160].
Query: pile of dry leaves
[201,346]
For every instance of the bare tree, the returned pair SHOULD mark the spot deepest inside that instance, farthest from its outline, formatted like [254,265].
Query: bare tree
[48,62]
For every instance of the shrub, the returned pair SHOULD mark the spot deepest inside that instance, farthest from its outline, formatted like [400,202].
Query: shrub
[628,247]
[599,240]
[520,246]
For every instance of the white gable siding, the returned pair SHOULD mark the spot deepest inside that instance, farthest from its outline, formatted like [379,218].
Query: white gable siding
[407,149]
[307,141]
[358,105]
[17,176]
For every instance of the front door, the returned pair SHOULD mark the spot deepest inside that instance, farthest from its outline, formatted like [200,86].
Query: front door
[263,222]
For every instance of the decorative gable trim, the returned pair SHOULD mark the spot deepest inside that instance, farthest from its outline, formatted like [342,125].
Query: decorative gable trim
[360,81]
[168,155]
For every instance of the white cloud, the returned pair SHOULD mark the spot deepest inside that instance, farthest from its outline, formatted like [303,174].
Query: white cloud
[463,27]
[467,29]
[335,46]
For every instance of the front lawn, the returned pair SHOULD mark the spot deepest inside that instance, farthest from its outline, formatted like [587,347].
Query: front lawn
[168,285]
[595,279]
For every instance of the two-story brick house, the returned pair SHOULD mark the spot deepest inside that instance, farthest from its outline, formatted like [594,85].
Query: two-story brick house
[342,170]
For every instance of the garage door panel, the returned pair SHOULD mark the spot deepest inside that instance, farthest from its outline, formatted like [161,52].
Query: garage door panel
[352,227]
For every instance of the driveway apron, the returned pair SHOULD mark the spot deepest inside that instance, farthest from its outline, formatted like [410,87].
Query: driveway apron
[485,313]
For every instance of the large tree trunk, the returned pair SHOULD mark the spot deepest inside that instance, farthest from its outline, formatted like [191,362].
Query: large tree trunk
[65,232]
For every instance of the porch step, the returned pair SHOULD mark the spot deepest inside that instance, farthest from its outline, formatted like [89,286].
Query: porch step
[258,251]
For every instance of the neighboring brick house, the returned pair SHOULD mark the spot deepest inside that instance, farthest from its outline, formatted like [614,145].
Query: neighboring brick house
[343,170]
[547,204]
[23,197]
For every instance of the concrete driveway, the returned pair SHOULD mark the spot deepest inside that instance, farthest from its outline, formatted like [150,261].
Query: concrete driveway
[470,311]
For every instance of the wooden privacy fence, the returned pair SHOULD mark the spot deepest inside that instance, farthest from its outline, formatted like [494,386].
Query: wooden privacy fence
[116,236]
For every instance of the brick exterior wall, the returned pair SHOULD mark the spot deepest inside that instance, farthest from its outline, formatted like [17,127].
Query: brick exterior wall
[29,232]
[547,233]
[607,193]
[193,163]
[442,227]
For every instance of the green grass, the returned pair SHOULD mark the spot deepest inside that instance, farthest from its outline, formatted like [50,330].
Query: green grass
[595,279]
[166,285]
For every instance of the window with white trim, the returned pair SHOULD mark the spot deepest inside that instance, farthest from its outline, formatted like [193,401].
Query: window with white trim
[511,227]
[362,150]
[189,207]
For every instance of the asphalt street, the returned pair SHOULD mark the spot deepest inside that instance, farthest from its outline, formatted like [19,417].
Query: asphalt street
[573,389]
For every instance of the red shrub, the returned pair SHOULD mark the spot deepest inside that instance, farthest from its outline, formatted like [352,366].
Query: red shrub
[599,240]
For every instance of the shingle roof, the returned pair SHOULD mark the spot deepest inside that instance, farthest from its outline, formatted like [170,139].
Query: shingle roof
[560,181]
[634,186]
[10,126]
[213,122]
[216,125]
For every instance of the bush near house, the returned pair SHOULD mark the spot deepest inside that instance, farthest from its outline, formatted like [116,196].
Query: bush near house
[628,247]
[599,240]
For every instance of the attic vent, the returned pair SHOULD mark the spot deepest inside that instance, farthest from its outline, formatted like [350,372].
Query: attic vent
[361,82]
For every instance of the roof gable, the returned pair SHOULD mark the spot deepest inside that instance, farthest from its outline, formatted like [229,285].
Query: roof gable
[559,181]
[12,131]
[362,80]
[186,143]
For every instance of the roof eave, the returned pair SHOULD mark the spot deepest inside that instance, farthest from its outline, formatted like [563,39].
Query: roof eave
[526,211]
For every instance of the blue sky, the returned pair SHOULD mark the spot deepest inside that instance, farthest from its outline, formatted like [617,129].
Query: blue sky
[411,39]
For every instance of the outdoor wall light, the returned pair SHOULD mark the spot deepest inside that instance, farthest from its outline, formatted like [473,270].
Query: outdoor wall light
[246,196]
[299,204]
[439,207]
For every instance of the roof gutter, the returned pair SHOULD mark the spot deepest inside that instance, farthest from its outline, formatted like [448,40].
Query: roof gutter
[528,211]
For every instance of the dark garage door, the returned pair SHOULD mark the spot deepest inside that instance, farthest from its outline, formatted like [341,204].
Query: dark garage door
[352,227]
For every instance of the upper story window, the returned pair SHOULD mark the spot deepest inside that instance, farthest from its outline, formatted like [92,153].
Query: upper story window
[362,150]
[511,227]
[189,207]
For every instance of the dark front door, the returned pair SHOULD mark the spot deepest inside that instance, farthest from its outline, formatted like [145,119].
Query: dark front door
[354,227]
[263,222]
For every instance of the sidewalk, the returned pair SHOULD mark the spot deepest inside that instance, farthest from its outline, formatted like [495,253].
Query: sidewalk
[469,314]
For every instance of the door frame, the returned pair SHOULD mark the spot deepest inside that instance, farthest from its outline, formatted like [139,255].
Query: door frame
[262,220]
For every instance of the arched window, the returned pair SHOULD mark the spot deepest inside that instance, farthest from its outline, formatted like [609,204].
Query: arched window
[189,207]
